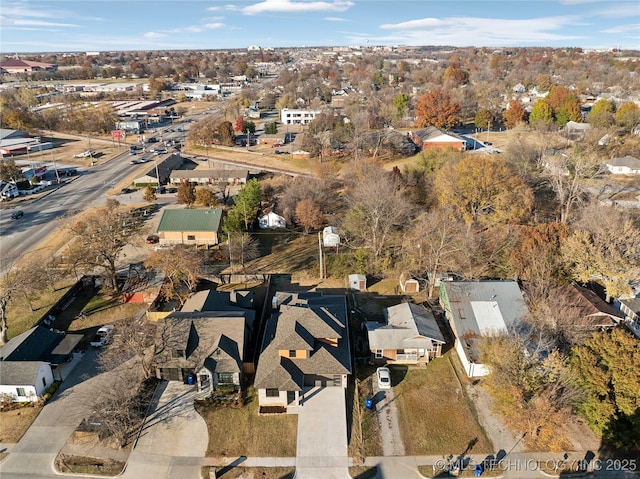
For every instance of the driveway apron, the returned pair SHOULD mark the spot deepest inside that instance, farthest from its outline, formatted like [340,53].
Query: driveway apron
[322,435]
[174,437]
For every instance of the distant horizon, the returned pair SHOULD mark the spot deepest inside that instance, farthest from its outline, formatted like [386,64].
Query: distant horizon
[73,26]
[8,55]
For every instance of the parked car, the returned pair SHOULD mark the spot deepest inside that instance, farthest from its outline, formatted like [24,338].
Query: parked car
[384,378]
[17,214]
[152,140]
[151,239]
[103,336]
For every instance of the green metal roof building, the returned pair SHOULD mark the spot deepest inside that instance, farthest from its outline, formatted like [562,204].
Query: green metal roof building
[190,226]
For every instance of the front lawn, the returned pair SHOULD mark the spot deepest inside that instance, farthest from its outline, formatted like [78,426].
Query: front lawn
[436,416]
[242,432]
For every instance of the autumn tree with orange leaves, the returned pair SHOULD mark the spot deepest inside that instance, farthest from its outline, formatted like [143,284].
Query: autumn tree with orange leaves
[437,108]
[514,114]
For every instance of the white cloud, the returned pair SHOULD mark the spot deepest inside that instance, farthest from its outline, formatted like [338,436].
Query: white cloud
[465,31]
[632,27]
[289,6]
[214,9]
[152,35]
[621,10]
[335,19]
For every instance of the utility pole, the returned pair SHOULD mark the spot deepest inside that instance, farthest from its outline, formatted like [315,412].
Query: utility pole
[488,128]
[320,255]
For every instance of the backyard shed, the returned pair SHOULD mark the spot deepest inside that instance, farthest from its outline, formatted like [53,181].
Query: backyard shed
[358,282]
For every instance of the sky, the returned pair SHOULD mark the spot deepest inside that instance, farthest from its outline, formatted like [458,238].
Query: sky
[95,25]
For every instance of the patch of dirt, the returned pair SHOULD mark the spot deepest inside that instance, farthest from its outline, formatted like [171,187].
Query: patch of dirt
[495,429]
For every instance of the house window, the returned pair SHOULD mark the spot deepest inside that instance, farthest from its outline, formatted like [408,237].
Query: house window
[191,237]
[177,353]
[44,382]
[225,378]
[272,393]
[378,353]
[292,353]
[21,392]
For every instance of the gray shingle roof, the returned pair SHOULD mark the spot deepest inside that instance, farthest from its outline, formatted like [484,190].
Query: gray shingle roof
[301,318]
[210,339]
[190,220]
[19,373]
[408,325]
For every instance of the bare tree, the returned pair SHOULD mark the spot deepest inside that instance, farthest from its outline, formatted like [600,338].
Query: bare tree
[567,175]
[432,244]
[242,248]
[181,267]
[99,236]
[377,206]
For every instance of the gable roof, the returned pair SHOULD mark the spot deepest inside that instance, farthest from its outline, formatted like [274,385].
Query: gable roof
[594,310]
[211,339]
[166,166]
[304,321]
[190,220]
[408,325]
[629,161]
[19,373]
[34,344]
[481,308]
[431,133]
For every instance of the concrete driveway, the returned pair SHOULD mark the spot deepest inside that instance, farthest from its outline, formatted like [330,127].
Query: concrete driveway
[34,455]
[174,437]
[322,435]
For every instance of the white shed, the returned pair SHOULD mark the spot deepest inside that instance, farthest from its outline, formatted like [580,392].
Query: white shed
[358,282]
[272,220]
[330,237]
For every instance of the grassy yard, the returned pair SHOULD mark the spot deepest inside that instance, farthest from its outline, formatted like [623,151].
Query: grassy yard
[14,423]
[242,432]
[436,417]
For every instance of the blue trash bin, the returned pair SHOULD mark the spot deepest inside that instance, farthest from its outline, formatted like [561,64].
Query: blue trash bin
[191,379]
[368,403]
[478,470]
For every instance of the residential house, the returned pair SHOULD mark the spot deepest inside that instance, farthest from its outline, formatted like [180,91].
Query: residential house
[305,345]
[272,220]
[628,165]
[33,360]
[477,309]
[204,348]
[160,173]
[409,335]
[588,310]
[432,137]
[190,226]
[203,176]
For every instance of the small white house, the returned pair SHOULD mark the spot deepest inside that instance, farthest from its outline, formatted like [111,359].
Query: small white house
[25,381]
[330,237]
[358,282]
[272,220]
[629,165]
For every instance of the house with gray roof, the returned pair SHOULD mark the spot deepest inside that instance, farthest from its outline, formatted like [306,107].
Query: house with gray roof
[305,345]
[409,335]
[33,360]
[160,172]
[478,309]
[190,226]
[203,348]
[432,137]
[628,165]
